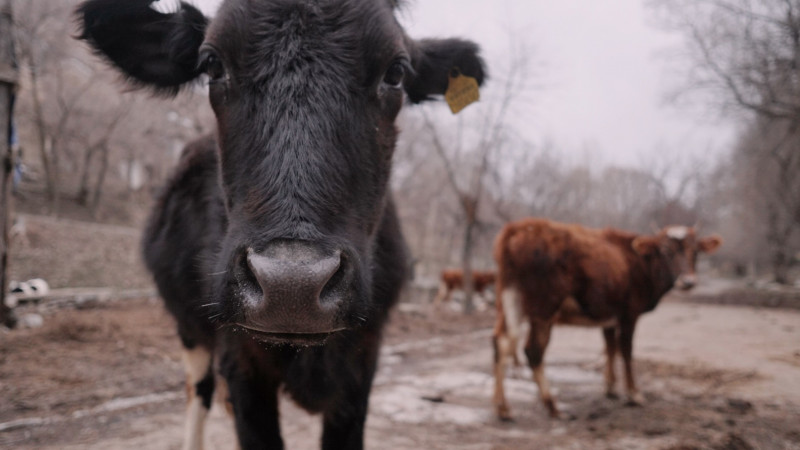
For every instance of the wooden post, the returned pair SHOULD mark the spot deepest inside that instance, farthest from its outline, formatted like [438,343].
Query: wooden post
[8,84]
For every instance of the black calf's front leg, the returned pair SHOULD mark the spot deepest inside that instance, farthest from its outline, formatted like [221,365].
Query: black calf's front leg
[343,420]
[255,410]
[343,428]
[252,380]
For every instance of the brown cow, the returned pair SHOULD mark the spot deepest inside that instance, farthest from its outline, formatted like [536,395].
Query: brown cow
[452,279]
[552,273]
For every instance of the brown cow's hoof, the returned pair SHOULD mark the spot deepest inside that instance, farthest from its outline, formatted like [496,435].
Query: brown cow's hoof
[552,409]
[564,416]
[504,414]
[612,395]
[636,399]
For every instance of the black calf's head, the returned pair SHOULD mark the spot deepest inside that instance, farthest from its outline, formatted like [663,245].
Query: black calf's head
[677,247]
[305,93]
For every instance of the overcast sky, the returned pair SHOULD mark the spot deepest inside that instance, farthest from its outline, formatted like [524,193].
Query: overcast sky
[600,70]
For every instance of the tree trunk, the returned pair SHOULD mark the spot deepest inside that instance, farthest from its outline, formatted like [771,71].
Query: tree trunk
[429,239]
[41,133]
[466,265]
[470,206]
[778,238]
[8,74]
[780,267]
[83,190]
[6,317]
[101,178]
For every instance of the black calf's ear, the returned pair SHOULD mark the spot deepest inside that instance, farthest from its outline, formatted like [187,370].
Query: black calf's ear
[434,59]
[150,48]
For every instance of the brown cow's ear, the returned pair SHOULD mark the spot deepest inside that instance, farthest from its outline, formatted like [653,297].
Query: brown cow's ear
[646,245]
[709,244]
[434,59]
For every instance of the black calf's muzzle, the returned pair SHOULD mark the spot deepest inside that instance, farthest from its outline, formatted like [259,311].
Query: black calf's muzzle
[304,291]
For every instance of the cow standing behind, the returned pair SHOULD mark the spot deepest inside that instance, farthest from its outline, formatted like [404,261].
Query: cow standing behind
[554,273]
[276,245]
[453,279]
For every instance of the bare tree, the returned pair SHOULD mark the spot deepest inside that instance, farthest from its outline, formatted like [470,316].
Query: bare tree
[98,147]
[743,53]
[528,182]
[75,119]
[40,28]
[766,167]
[538,183]
[469,152]
[745,56]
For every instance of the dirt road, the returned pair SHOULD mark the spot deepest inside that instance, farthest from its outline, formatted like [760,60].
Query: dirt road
[713,377]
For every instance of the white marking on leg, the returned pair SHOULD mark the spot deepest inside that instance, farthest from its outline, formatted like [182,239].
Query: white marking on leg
[544,390]
[440,295]
[197,363]
[512,312]
[634,396]
[541,382]
[195,418]
[503,348]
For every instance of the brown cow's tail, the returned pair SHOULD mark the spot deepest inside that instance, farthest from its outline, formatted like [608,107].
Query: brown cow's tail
[504,254]
[517,251]
[536,247]
[500,253]
[534,252]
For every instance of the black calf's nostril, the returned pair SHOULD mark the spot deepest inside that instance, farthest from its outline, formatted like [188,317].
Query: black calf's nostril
[302,272]
[304,287]
[335,283]
[243,263]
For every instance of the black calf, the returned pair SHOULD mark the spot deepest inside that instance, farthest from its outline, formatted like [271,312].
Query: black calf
[280,230]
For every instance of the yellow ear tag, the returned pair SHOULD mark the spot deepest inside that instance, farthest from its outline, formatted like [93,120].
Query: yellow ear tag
[461,91]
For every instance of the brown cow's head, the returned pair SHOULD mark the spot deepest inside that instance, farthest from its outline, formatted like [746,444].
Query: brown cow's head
[305,94]
[677,247]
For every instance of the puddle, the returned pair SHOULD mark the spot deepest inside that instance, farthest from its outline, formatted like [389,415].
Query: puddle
[407,399]
[405,404]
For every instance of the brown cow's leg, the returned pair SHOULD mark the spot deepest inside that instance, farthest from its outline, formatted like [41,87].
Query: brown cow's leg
[200,389]
[480,301]
[538,339]
[443,295]
[506,332]
[512,313]
[626,330]
[610,335]
[502,347]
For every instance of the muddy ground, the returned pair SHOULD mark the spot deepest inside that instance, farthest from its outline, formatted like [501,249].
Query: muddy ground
[719,377]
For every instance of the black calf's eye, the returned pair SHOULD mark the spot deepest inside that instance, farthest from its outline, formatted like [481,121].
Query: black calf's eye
[212,66]
[395,75]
